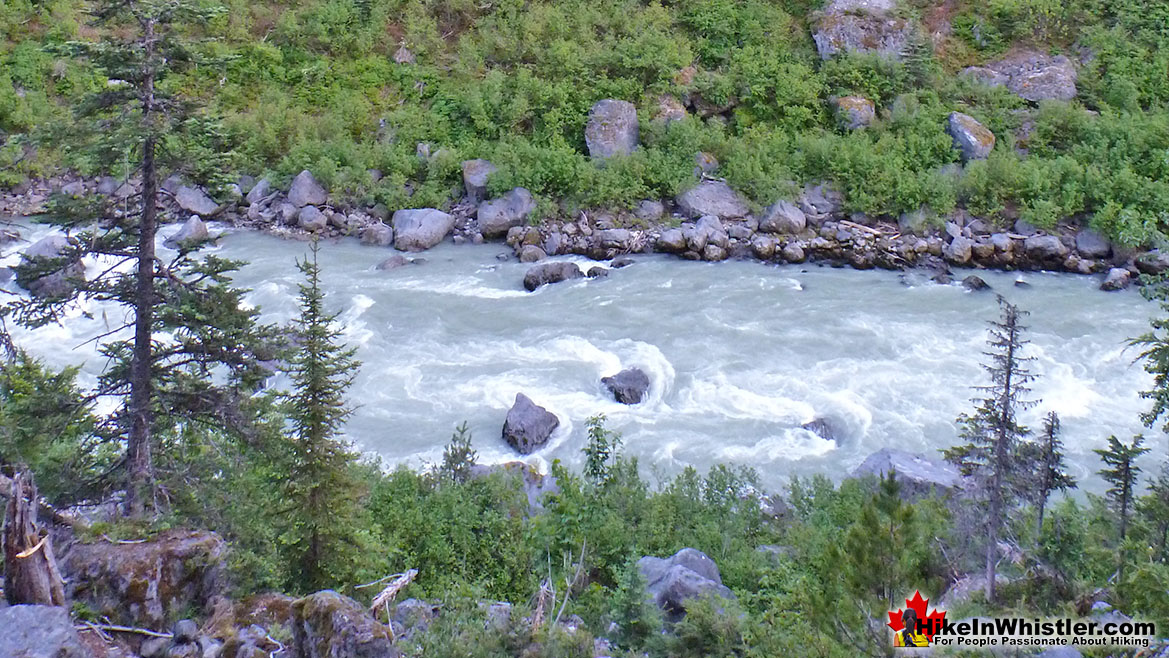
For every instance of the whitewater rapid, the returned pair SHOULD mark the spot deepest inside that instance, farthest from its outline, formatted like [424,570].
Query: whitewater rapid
[740,354]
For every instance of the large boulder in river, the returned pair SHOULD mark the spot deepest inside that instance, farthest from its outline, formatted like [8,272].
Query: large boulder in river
[306,191]
[498,216]
[712,197]
[195,200]
[971,138]
[612,129]
[46,269]
[39,631]
[1117,278]
[919,476]
[329,625]
[475,175]
[150,584]
[551,273]
[419,229]
[192,234]
[628,386]
[528,426]
[675,581]
[860,26]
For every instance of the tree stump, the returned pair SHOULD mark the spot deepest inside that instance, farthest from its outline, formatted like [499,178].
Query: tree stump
[30,570]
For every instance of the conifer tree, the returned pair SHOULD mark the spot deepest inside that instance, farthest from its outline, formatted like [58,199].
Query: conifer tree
[1053,475]
[997,456]
[458,458]
[320,485]
[1155,508]
[188,351]
[1121,473]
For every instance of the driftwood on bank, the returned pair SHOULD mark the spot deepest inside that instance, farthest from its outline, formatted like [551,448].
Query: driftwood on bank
[30,569]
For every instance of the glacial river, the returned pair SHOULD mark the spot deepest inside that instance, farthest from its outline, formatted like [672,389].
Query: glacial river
[740,354]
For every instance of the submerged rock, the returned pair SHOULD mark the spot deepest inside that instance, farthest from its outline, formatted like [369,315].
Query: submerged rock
[628,386]
[528,426]
[975,283]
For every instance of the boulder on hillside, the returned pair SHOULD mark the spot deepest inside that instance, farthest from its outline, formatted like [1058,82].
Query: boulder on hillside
[860,26]
[150,584]
[783,217]
[192,234]
[1031,75]
[195,200]
[712,197]
[685,576]
[329,625]
[919,476]
[259,192]
[820,200]
[612,129]
[420,229]
[546,273]
[854,112]
[971,138]
[475,175]
[306,191]
[528,426]
[498,216]
[649,210]
[628,386]
[39,631]
[534,484]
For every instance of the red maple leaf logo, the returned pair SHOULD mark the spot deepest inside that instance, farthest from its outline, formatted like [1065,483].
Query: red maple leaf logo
[931,622]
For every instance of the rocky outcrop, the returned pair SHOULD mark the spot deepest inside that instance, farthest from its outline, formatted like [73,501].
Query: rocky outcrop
[39,631]
[854,112]
[329,625]
[192,234]
[919,476]
[475,175]
[673,582]
[498,216]
[195,200]
[860,26]
[551,273]
[149,584]
[420,229]
[628,386]
[971,138]
[260,191]
[611,129]
[712,198]
[528,426]
[1031,75]
[306,191]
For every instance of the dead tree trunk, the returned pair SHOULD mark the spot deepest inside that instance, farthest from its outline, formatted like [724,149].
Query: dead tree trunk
[30,570]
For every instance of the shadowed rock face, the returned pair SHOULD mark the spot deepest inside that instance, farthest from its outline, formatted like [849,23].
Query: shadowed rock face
[528,426]
[972,138]
[329,625]
[150,584]
[674,581]
[612,129]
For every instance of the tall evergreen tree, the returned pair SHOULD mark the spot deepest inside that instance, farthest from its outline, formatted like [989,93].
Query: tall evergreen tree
[187,353]
[1155,508]
[1053,475]
[1121,473]
[1155,354]
[997,456]
[320,484]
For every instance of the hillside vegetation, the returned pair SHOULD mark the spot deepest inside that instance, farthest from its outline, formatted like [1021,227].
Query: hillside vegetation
[345,86]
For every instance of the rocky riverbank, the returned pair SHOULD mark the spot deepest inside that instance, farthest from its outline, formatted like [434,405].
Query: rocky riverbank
[709,222]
